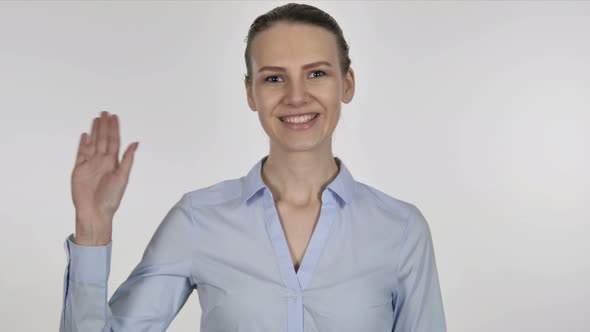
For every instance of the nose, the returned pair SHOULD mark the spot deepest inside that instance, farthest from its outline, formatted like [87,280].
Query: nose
[296,94]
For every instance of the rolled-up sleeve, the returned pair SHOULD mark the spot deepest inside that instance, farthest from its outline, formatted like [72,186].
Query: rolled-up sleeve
[417,301]
[152,295]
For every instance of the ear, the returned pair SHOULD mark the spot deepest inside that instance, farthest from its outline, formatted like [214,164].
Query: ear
[348,86]
[249,95]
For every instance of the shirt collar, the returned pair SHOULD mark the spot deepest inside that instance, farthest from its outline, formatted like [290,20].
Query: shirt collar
[342,185]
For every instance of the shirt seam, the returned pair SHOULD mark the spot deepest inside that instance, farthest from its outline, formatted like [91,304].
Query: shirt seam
[67,280]
[194,245]
[402,246]
[208,189]
[186,196]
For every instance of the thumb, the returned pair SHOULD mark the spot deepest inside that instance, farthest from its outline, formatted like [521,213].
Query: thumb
[127,161]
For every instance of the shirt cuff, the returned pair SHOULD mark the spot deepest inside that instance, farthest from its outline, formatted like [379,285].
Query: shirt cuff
[88,264]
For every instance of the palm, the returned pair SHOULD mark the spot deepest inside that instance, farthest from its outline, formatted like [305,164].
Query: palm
[99,179]
[96,186]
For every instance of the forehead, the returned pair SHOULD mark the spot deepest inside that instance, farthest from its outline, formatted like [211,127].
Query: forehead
[286,43]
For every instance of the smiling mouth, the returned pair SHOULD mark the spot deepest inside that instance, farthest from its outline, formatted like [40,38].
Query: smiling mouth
[299,119]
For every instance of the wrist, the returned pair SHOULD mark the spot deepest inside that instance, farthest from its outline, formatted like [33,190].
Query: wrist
[92,233]
[91,241]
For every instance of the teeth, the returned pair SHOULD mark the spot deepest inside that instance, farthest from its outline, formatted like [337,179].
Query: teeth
[298,119]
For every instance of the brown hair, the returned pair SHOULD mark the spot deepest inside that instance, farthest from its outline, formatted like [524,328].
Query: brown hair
[297,13]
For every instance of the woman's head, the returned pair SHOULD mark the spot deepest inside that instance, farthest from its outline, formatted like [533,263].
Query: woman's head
[297,62]
[298,13]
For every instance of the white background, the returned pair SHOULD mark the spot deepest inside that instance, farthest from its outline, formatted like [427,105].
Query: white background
[477,112]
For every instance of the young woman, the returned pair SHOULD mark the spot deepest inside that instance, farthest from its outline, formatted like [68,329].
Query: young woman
[295,245]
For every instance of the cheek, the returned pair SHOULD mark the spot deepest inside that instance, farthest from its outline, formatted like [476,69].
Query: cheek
[329,89]
[329,95]
[327,92]
[268,97]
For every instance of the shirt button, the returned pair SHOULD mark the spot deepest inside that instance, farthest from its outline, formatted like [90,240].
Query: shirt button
[293,296]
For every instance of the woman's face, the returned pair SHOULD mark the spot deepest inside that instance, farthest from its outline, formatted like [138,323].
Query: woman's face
[295,69]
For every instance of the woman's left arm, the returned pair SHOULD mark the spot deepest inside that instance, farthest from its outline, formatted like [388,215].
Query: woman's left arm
[417,301]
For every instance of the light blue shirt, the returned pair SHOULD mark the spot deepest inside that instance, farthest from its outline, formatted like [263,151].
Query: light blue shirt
[369,267]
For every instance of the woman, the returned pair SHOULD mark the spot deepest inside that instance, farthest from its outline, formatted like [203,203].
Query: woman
[295,245]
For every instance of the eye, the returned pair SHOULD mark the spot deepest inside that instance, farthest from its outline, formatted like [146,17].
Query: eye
[318,71]
[270,77]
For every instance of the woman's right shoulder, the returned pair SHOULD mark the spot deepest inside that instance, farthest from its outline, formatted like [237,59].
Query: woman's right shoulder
[215,194]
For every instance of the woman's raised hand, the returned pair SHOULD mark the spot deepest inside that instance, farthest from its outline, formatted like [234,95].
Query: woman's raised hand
[99,180]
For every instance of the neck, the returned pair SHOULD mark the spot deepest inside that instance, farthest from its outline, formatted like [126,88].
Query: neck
[299,179]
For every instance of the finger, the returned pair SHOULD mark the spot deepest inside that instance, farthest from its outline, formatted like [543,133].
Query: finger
[113,141]
[93,137]
[82,149]
[103,130]
[127,161]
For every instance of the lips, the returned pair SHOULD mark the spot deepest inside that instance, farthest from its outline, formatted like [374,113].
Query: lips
[302,126]
[296,115]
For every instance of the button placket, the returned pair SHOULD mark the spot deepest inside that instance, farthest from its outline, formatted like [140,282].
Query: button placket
[295,307]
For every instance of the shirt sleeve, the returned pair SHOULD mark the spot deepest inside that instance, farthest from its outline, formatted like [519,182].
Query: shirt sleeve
[152,295]
[417,300]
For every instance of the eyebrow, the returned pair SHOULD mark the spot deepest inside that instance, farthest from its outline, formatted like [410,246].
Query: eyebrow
[309,65]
